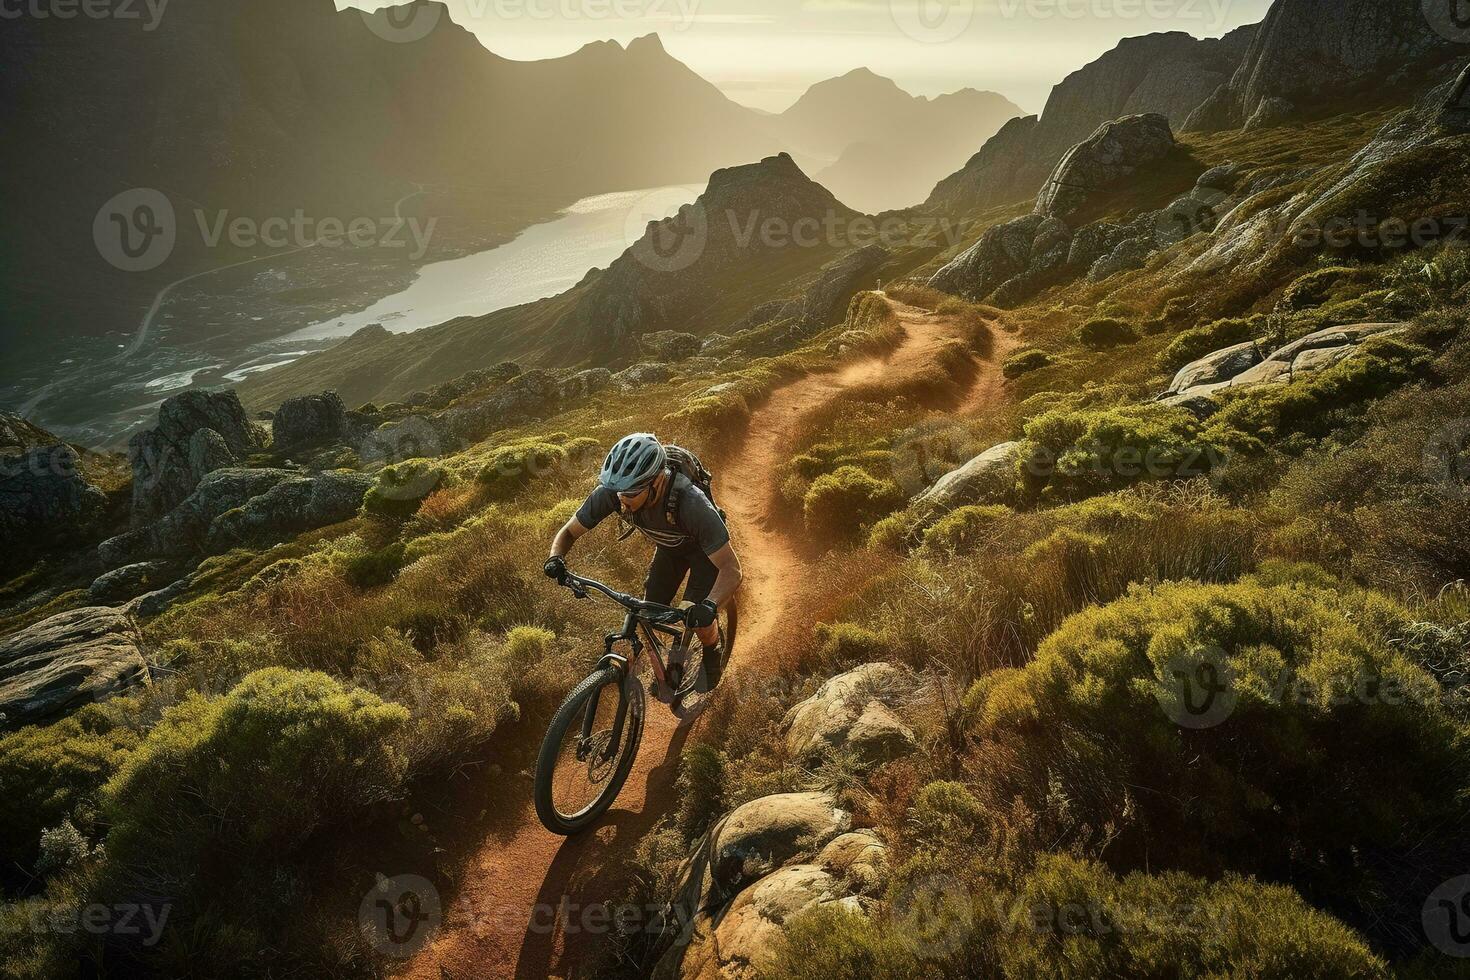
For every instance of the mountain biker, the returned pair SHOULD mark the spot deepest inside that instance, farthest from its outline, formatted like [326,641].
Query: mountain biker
[692,540]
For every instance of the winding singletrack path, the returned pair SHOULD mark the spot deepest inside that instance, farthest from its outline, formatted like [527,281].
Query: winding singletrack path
[523,908]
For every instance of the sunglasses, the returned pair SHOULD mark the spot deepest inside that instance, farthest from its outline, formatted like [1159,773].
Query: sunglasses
[635,493]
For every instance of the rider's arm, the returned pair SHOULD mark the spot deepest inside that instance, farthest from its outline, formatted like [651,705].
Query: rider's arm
[566,537]
[729,576]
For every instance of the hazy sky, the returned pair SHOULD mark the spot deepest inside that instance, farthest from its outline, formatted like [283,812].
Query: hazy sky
[765,53]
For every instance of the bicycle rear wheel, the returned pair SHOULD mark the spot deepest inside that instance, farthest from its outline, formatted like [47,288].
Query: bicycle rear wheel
[579,775]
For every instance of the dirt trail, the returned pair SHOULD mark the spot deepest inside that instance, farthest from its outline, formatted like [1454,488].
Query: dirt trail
[520,912]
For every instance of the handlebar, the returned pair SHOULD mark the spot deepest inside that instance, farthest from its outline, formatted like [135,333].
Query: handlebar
[654,611]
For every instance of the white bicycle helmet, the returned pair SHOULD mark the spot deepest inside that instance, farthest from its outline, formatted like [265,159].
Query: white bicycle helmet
[634,461]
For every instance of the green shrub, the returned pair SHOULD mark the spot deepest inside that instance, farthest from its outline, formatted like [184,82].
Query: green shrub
[946,814]
[1316,287]
[841,505]
[1024,362]
[1191,345]
[701,789]
[1303,734]
[1073,918]
[1105,334]
[400,488]
[964,528]
[216,804]
[1289,416]
[53,773]
[1077,453]
[511,468]
[376,568]
[841,646]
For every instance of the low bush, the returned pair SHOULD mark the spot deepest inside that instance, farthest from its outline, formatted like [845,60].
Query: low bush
[1105,334]
[1024,362]
[1069,917]
[511,468]
[701,789]
[54,773]
[220,797]
[1191,345]
[1168,703]
[376,568]
[841,505]
[400,488]
[963,529]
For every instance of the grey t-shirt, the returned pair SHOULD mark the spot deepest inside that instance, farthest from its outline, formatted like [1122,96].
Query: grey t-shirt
[698,524]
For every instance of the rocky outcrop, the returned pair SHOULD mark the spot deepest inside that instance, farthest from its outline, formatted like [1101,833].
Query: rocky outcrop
[665,277]
[307,421]
[529,395]
[984,479]
[585,383]
[236,506]
[822,303]
[854,713]
[1243,366]
[1314,50]
[45,501]
[69,660]
[638,375]
[731,936]
[131,581]
[1017,256]
[1117,151]
[1168,74]
[197,432]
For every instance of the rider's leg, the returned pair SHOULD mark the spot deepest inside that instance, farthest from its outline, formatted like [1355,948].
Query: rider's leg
[702,575]
[665,573]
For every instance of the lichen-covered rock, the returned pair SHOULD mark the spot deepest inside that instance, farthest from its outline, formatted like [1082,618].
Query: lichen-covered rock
[1025,249]
[853,713]
[45,500]
[984,479]
[287,509]
[1222,365]
[131,581]
[71,659]
[754,839]
[529,395]
[1271,112]
[168,462]
[668,346]
[1242,366]
[1098,164]
[642,374]
[310,420]
[859,859]
[585,383]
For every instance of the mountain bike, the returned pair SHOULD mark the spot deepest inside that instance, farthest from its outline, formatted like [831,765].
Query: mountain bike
[593,738]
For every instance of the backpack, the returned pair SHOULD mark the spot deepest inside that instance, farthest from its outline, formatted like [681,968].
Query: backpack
[683,461]
[680,460]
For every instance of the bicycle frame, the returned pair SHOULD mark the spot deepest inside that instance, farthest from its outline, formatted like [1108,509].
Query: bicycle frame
[639,618]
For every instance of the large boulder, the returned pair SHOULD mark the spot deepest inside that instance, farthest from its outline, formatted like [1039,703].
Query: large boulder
[1022,251]
[232,507]
[1241,366]
[984,479]
[530,395]
[1117,151]
[310,420]
[45,500]
[585,383]
[288,509]
[168,461]
[131,581]
[754,839]
[66,661]
[853,712]
[737,943]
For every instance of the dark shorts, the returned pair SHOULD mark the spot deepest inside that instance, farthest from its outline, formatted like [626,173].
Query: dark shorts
[668,569]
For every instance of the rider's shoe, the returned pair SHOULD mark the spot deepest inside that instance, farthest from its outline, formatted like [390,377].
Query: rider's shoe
[714,664]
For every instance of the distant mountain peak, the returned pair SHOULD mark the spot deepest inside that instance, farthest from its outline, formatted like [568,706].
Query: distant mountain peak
[648,44]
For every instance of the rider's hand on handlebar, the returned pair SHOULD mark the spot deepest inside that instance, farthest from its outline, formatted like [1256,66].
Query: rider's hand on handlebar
[556,568]
[702,614]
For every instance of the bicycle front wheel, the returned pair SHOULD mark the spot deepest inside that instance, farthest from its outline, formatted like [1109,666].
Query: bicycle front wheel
[585,759]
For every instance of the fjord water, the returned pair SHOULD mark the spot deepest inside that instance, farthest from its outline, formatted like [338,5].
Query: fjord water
[542,261]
